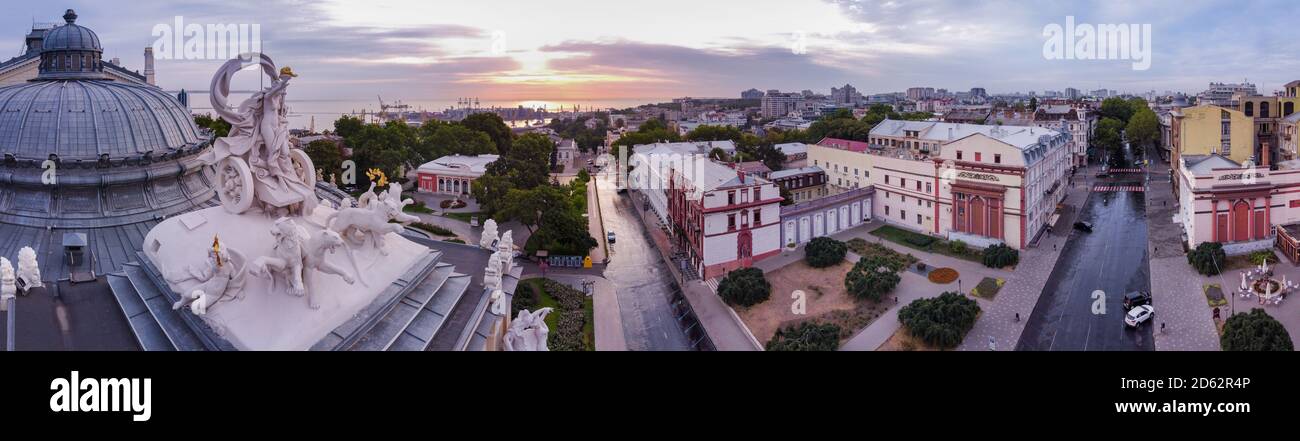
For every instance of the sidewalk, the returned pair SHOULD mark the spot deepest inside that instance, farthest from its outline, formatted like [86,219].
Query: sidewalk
[596,223]
[1176,288]
[997,322]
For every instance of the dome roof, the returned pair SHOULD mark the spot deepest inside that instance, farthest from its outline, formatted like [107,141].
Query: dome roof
[89,118]
[71,36]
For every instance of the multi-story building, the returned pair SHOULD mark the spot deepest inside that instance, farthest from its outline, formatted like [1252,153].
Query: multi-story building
[751,94]
[981,184]
[920,93]
[845,95]
[1225,94]
[1076,121]
[1268,113]
[1207,130]
[719,218]
[1288,135]
[778,105]
[1071,93]
[803,184]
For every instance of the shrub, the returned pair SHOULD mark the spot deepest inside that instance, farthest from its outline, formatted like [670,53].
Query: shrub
[745,287]
[1000,256]
[871,278]
[525,298]
[1262,256]
[1208,258]
[824,251]
[919,240]
[433,229]
[941,322]
[806,336]
[1254,331]
[957,247]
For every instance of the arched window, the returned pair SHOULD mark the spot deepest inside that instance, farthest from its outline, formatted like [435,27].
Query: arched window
[1250,109]
[1263,110]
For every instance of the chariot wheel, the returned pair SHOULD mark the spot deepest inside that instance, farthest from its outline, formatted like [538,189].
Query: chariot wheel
[234,184]
[303,167]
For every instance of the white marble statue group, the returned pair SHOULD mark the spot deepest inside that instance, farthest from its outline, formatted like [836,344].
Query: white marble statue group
[528,331]
[256,167]
[21,280]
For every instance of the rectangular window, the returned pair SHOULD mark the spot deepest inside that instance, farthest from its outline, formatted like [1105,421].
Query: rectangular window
[918,219]
[997,159]
[731,222]
[918,185]
[758,217]
[977,156]
[886,210]
[902,214]
[731,198]
[902,182]
[928,188]
[959,155]
[886,179]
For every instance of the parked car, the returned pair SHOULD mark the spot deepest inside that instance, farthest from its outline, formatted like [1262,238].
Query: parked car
[1136,298]
[609,237]
[1139,315]
[1083,226]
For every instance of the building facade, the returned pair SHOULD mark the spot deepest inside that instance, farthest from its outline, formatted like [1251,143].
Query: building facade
[803,184]
[453,175]
[1212,130]
[988,184]
[718,217]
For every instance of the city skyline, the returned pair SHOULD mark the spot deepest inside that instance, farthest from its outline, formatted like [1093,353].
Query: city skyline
[562,53]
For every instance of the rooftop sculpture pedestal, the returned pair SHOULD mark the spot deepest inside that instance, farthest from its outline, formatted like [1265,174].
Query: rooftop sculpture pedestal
[271,317]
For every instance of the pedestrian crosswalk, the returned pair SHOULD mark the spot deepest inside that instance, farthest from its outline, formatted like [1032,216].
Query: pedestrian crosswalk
[1137,188]
[1125,170]
[712,284]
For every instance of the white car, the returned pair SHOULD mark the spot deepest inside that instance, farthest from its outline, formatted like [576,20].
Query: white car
[1138,315]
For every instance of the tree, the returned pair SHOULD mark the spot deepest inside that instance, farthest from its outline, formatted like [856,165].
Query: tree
[1143,128]
[348,126]
[871,278]
[942,321]
[1208,258]
[438,139]
[1033,103]
[1108,135]
[1000,255]
[806,336]
[714,133]
[1255,331]
[494,127]
[823,251]
[787,198]
[744,287]
[1117,108]
[218,126]
[325,155]
[526,163]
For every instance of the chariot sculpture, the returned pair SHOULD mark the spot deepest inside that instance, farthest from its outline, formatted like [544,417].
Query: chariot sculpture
[255,165]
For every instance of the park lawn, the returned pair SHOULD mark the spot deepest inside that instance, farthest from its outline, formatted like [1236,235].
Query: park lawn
[936,245]
[464,216]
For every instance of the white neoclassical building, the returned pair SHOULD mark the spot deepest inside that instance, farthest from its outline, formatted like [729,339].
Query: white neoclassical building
[452,174]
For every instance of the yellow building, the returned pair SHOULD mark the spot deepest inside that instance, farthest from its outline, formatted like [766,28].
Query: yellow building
[1207,129]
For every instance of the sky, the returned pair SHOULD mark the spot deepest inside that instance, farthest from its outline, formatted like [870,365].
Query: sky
[566,50]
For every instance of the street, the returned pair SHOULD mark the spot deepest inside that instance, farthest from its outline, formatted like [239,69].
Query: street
[1111,259]
[643,284]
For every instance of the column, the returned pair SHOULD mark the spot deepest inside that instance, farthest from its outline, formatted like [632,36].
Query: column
[1214,220]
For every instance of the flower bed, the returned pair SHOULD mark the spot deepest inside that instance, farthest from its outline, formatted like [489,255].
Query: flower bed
[943,276]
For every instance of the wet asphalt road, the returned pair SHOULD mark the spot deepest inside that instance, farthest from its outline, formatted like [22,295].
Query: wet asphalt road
[1112,259]
[643,284]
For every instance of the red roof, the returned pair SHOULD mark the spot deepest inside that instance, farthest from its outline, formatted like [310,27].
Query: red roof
[843,144]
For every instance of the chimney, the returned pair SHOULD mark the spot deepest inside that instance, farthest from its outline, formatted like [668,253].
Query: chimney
[148,66]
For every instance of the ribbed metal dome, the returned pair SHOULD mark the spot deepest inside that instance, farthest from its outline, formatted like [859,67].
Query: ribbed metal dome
[71,36]
[87,119]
